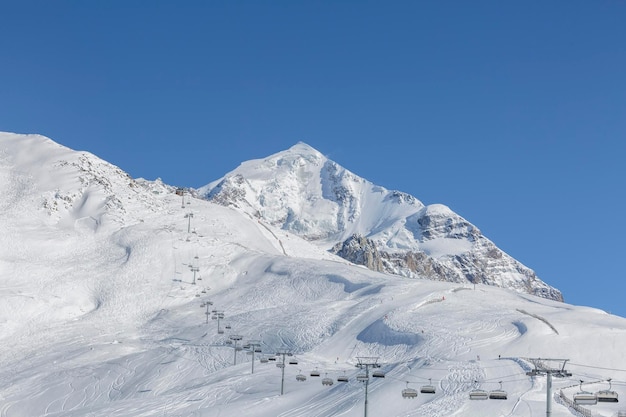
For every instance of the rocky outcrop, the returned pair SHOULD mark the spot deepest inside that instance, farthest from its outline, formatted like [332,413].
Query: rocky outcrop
[361,251]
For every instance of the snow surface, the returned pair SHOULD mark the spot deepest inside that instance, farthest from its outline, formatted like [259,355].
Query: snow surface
[99,316]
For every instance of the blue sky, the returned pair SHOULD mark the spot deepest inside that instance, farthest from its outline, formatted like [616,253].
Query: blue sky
[513,114]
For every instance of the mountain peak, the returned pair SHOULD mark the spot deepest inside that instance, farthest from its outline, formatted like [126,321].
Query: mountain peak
[301,191]
[302,147]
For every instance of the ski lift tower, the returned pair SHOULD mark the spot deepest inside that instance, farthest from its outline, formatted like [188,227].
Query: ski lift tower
[218,315]
[181,192]
[281,365]
[542,367]
[254,345]
[366,363]
[235,338]
[207,304]
[194,268]
[189,216]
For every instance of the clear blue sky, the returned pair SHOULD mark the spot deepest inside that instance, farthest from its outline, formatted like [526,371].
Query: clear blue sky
[511,113]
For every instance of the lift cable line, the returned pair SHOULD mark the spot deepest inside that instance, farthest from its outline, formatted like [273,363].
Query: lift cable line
[521,376]
[597,367]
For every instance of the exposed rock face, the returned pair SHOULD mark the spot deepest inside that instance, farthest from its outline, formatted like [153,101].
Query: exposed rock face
[301,191]
[483,263]
[360,251]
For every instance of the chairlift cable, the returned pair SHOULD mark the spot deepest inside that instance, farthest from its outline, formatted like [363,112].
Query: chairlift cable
[597,367]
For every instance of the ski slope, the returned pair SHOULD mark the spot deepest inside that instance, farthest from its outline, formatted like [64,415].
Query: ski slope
[99,316]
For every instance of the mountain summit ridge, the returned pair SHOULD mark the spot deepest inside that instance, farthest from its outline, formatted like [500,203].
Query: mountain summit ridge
[301,191]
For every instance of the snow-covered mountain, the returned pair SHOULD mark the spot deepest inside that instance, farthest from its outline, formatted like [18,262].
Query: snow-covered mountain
[303,192]
[109,287]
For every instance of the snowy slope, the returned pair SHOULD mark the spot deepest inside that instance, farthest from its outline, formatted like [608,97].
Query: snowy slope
[301,191]
[99,315]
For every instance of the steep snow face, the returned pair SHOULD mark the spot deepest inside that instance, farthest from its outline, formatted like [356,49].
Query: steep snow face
[301,191]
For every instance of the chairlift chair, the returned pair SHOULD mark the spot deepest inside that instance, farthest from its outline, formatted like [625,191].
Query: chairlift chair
[378,374]
[498,394]
[315,373]
[263,359]
[607,396]
[342,378]
[327,381]
[409,392]
[300,377]
[293,361]
[478,394]
[272,358]
[227,327]
[585,397]
[428,389]
[362,377]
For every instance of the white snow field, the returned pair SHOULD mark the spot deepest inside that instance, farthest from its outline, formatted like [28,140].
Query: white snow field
[99,315]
